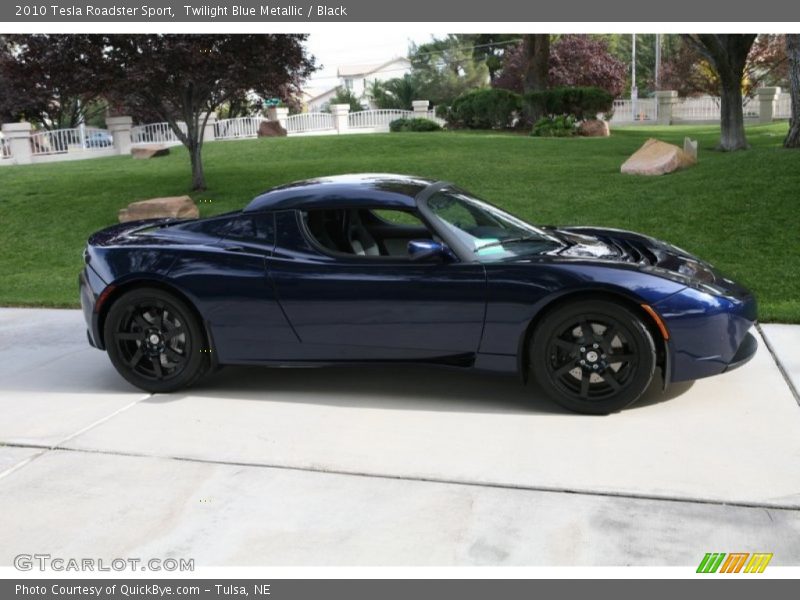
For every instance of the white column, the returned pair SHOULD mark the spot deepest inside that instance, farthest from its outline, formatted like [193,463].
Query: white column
[420,108]
[666,99]
[766,103]
[120,130]
[19,140]
[279,114]
[340,114]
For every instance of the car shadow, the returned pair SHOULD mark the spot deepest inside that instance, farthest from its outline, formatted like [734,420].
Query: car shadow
[396,387]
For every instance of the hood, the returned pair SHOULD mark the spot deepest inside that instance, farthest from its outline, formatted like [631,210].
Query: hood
[649,254]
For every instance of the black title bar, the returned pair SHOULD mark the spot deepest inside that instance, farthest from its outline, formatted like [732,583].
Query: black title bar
[452,11]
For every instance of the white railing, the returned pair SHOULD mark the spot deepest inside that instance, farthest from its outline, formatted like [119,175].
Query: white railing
[378,118]
[155,133]
[783,107]
[240,127]
[5,148]
[701,108]
[62,141]
[624,111]
[306,122]
[381,118]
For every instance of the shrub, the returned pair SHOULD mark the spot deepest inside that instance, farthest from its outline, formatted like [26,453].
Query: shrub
[414,125]
[558,126]
[579,102]
[485,109]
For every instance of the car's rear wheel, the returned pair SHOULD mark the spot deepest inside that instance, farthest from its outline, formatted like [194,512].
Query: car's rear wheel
[154,341]
[593,356]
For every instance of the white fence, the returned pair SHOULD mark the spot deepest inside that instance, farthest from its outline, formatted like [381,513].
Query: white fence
[20,144]
[308,122]
[61,141]
[156,133]
[628,111]
[783,107]
[700,108]
[241,127]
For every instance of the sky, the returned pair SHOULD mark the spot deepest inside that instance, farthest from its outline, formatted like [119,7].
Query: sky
[369,45]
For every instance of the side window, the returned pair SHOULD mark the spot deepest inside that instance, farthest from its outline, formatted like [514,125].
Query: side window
[376,232]
[254,229]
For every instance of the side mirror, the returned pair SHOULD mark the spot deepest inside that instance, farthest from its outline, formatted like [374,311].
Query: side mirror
[428,249]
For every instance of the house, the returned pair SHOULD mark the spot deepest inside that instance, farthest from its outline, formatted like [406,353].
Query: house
[357,79]
[316,99]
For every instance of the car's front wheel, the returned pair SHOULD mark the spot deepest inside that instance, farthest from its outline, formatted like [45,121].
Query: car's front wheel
[593,356]
[154,341]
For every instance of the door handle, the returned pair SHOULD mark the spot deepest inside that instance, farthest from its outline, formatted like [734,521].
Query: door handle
[234,248]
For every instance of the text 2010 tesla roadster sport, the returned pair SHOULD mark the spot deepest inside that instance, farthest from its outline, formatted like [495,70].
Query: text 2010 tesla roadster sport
[381,268]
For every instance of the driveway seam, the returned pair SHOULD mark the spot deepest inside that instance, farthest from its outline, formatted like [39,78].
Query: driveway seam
[784,373]
[59,445]
[422,479]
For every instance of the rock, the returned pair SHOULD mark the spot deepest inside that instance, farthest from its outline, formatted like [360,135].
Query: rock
[270,129]
[142,152]
[181,207]
[594,128]
[657,158]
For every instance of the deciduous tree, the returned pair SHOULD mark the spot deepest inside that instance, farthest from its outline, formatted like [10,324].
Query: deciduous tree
[728,54]
[184,78]
[793,53]
[53,80]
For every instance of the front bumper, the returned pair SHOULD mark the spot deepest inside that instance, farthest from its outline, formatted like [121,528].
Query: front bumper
[709,334]
[746,351]
[90,285]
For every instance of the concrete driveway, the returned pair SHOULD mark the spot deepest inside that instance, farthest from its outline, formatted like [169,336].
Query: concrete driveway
[389,466]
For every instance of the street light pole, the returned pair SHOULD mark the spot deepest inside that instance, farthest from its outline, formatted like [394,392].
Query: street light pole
[658,62]
[634,89]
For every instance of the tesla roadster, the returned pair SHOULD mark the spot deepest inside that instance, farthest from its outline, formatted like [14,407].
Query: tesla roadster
[391,268]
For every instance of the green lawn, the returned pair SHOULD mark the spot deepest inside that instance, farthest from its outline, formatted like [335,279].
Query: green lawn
[740,210]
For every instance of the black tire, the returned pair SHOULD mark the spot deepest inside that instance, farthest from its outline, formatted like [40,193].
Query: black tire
[155,342]
[595,332]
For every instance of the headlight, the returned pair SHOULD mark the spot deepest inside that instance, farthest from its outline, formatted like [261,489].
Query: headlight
[697,277]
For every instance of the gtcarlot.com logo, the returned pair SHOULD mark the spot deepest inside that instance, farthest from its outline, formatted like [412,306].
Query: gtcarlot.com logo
[44,562]
[735,562]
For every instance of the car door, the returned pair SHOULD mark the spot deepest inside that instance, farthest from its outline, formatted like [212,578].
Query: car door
[374,307]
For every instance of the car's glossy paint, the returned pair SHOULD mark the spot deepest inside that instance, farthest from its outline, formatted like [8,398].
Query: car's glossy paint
[288,302]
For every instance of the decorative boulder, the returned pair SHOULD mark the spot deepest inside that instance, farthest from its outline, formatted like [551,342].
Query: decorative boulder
[657,158]
[144,152]
[271,129]
[594,128]
[180,207]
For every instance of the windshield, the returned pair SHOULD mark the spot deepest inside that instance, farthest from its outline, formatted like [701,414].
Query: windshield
[488,231]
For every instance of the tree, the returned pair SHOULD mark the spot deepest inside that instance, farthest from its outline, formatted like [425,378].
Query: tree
[689,72]
[793,53]
[54,80]
[344,96]
[728,53]
[574,61]
[536,62]
[444,69]
[399,92]
[184,78]
[490,48]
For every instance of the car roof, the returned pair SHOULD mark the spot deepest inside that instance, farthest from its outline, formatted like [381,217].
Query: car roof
[384,189]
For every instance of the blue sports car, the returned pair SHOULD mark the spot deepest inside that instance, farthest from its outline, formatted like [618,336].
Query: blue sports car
[392,268]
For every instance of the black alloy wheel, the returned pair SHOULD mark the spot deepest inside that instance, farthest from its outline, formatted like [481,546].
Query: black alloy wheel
[593,357]
[154,341]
